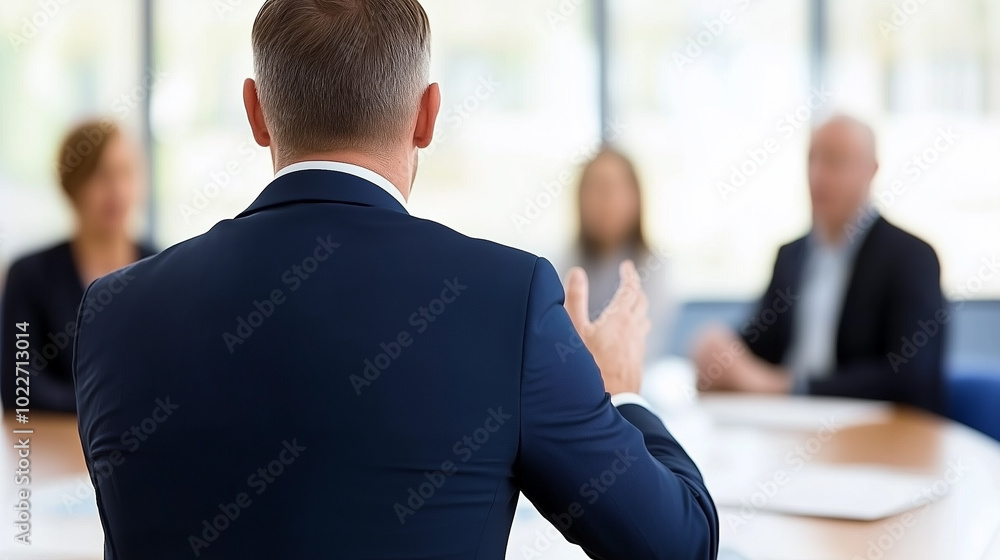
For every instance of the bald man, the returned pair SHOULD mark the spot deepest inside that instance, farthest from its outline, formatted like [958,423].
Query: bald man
[854,308]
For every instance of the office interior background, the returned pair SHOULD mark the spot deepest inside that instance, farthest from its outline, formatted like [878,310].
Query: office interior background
[713,98]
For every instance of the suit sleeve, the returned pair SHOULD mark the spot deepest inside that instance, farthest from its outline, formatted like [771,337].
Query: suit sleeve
[910,370]
[614,482]
[767,344]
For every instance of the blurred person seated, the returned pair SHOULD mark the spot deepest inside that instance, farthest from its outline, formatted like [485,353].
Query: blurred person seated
[611,232]
[854,309]
[98,171]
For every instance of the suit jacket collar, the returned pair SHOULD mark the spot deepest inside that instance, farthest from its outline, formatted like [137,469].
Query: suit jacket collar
[861,253]
[322,186]
[862,261]
[855,233]
[857,239]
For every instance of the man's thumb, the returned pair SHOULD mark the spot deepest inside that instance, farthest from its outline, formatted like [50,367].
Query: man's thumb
[577,294]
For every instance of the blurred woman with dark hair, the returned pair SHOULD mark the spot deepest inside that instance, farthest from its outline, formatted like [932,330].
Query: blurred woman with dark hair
[611,231]
[98,172]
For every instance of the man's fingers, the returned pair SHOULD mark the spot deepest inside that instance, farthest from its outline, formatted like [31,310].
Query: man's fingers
[577,294]
[637,301]
[641,308]
[629,289]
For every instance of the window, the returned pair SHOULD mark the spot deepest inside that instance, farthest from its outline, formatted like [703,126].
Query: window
[208,167]
[60,62]
[519,105]
[712,98]
[503,165]
[926,75]
[716,99]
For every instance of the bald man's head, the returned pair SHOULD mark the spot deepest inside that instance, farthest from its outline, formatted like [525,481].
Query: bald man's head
[842,165]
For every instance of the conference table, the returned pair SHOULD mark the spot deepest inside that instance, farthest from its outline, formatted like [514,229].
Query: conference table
[733,438]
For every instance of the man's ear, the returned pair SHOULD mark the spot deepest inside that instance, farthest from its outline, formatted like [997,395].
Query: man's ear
[430,106]
[255,114]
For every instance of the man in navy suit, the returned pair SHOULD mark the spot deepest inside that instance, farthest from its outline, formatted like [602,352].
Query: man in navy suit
[854,309]
[327,376]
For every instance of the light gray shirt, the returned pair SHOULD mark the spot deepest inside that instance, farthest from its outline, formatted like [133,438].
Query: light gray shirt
[826,274]
[653,268]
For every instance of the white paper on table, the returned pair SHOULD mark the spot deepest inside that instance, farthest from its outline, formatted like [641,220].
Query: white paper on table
[851,492]
[792,413]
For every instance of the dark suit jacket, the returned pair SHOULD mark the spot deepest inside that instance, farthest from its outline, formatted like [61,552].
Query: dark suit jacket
[44,291]
[890,341]
[326,376]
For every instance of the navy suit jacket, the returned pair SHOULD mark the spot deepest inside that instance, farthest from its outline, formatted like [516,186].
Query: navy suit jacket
[43,290]
[891,335]
[326,376]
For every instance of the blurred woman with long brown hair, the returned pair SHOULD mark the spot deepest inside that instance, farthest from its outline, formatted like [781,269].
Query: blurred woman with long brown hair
[611,231]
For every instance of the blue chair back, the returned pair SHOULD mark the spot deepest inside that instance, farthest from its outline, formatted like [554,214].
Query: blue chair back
[696,315]
[974,400]
[972,336]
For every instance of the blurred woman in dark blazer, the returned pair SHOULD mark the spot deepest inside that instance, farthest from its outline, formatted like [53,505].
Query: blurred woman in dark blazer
[611,231]
[98,171]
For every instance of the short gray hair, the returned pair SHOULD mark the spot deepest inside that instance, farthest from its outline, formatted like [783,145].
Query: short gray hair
[340,74]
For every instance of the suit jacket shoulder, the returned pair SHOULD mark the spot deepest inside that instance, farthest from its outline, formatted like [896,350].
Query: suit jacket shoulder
[38,264]
[893,243]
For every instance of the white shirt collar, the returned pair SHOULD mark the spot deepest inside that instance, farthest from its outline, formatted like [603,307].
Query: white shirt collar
[357,171]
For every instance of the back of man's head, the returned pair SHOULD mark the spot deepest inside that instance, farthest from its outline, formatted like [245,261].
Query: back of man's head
[340,74]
